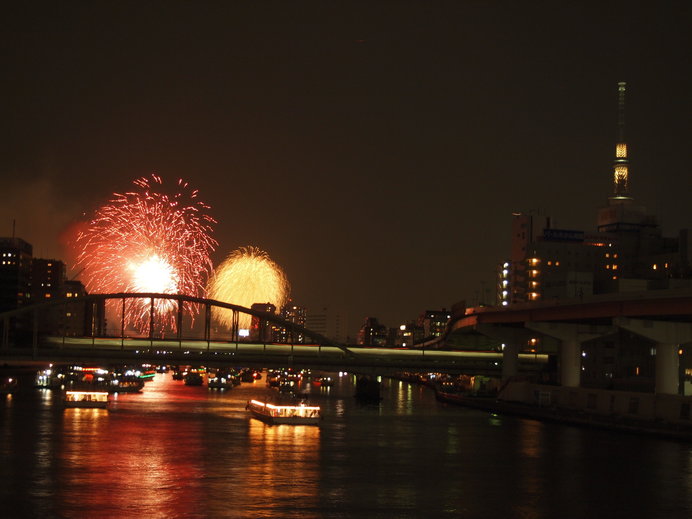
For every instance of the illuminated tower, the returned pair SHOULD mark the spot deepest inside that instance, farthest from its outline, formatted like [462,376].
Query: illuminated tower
[621,164]
[622,213]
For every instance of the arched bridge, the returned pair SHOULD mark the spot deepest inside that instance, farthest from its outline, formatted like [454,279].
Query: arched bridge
[74,330]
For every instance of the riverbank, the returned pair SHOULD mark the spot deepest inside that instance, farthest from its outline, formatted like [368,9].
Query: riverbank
[640,415]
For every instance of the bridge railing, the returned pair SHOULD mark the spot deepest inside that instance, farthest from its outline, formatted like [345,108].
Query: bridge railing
[111,316]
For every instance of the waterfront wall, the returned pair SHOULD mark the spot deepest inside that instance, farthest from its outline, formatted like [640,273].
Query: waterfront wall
[673,409]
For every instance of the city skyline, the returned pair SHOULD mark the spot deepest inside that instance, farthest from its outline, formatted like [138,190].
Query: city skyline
[376,152]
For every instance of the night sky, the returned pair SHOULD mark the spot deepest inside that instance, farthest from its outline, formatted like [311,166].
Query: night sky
[376,150]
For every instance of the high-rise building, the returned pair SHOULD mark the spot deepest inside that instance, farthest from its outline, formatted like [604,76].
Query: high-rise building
[408,334]
[15,273]
[294,314]
[434,322]
[327,322]
[626,252]
[372,333]
[47,279]
[75,317]
[261,329]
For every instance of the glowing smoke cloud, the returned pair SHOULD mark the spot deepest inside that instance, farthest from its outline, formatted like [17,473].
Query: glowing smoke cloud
[148,241]
[245,277]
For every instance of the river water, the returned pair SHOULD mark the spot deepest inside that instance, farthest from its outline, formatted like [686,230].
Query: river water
[189,452]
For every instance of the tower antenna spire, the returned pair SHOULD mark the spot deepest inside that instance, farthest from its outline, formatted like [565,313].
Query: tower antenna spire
[621,164]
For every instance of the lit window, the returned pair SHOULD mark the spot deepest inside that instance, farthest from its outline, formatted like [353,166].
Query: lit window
[615,267]
[654,267]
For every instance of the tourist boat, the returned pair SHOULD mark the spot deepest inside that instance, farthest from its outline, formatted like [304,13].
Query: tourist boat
[97,399]
[272,414]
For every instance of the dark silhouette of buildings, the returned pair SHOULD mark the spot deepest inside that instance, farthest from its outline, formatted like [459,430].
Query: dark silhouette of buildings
[15,273]
[626,252]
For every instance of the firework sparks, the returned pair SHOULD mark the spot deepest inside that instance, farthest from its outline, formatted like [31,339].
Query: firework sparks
[148,241]
[247,276]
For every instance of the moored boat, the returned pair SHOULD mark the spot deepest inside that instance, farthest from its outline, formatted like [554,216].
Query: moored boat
[8,385]
[98,399]
[272,414]
[323,381]
[193,379]
[128,385]
[220,381]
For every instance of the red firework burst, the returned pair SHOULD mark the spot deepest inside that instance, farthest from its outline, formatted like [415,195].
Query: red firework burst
[147,241]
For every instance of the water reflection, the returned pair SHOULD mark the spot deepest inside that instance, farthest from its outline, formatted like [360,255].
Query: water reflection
[282,467]
[404,394]
[109,460]
[180,451]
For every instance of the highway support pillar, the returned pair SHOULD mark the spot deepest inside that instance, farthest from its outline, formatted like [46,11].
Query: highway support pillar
[668,336]
[571,337]
[512,338]
[510,360]
[367,389]
[5,332]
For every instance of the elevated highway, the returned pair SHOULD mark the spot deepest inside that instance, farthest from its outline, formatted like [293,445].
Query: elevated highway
[663,317]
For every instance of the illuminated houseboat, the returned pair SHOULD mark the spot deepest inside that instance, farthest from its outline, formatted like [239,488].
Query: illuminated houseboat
[284,414]
[86,399]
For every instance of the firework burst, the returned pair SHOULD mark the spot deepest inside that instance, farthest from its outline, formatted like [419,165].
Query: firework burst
[247,276]
[148,241]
